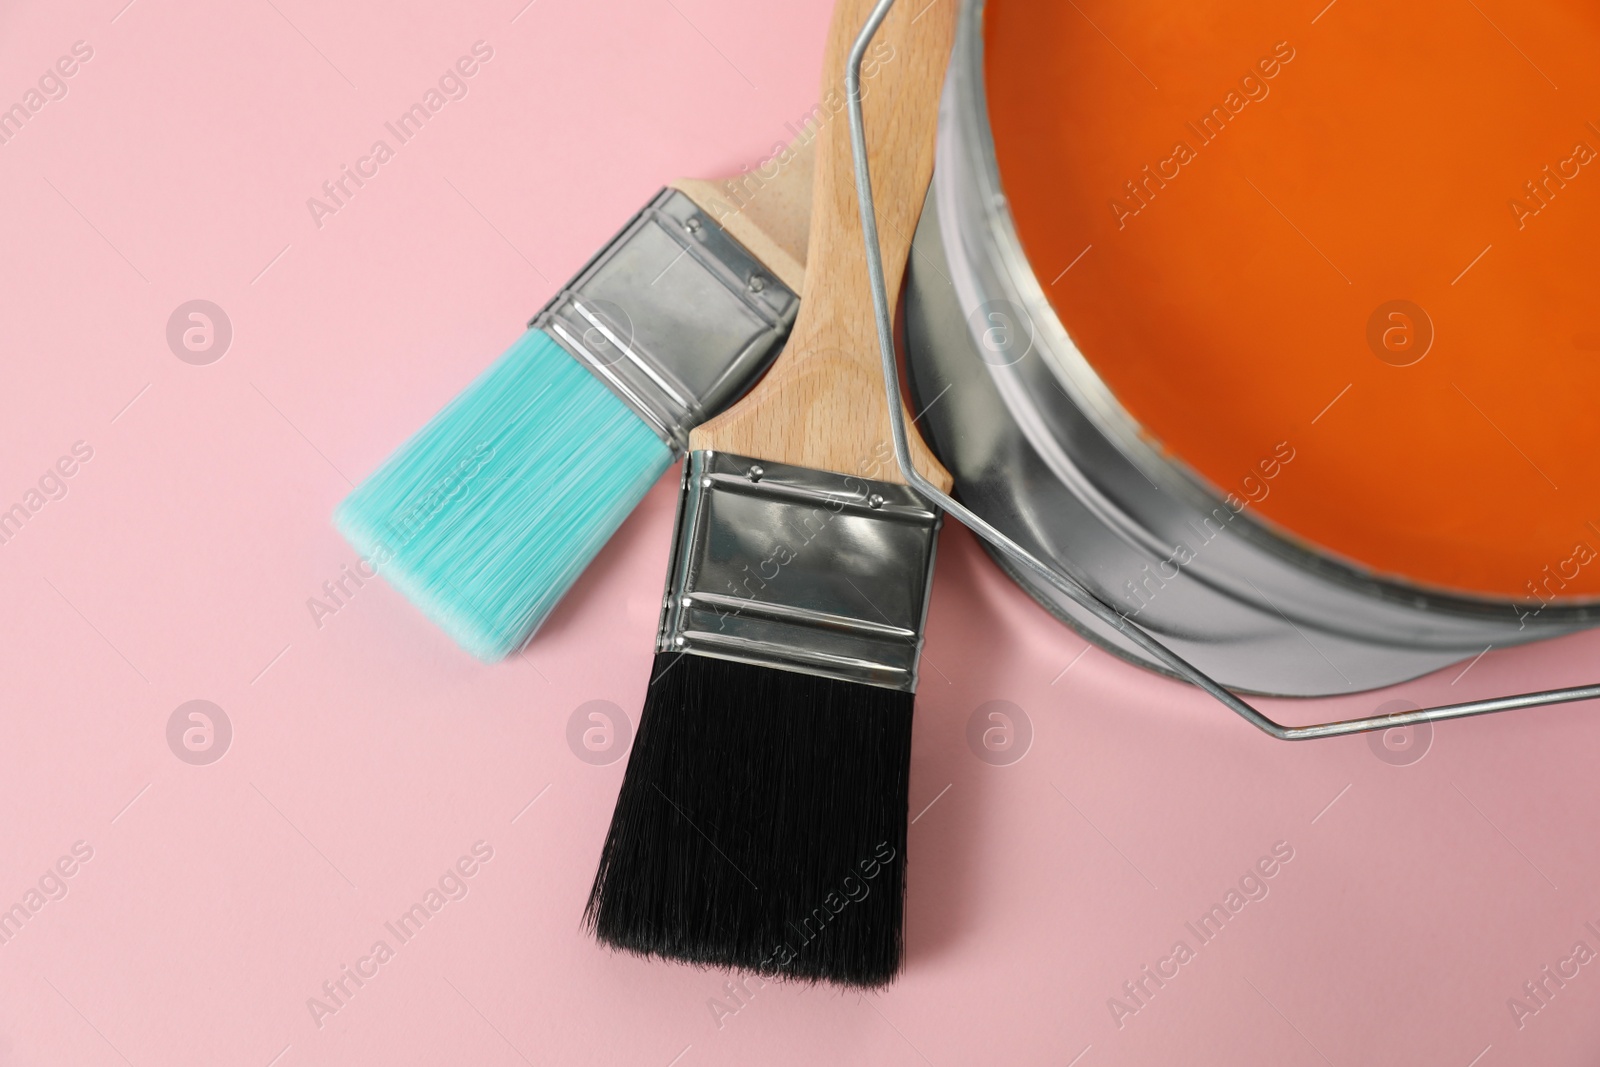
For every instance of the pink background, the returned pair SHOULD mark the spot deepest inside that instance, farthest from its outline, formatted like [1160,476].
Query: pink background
[368,754]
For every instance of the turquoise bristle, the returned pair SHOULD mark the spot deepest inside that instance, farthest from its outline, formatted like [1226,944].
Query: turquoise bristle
[490,511]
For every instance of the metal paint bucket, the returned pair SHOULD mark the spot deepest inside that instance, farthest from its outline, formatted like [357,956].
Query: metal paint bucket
[1041,448]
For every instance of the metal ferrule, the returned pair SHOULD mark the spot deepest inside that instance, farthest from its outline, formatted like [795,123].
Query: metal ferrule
[674,316]
[799,569]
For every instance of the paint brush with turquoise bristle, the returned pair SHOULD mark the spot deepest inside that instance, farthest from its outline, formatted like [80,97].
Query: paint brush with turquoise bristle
[489,513]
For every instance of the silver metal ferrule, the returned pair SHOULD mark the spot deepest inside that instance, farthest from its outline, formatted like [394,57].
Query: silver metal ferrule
[674,316]
[799,569]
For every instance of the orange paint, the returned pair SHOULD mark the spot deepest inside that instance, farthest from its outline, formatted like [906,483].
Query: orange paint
[1254,186]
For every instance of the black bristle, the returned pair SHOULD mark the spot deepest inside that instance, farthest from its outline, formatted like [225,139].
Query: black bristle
[761,825]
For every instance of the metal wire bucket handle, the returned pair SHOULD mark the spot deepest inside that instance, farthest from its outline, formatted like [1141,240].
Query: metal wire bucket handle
[1079,593]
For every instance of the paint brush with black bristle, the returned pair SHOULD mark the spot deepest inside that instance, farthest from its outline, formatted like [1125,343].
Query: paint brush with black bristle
[761,823]
[487,515]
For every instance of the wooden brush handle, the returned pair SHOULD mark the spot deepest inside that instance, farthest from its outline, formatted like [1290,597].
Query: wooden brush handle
[767,208]
[823,404]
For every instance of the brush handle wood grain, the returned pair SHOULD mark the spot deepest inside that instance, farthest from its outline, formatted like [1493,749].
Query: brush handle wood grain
[823,404]
[771,217]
